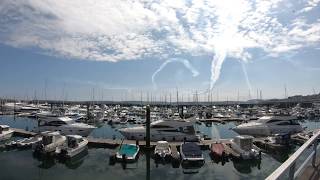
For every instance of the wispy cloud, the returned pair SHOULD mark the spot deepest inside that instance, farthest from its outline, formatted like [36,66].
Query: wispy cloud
[107,30]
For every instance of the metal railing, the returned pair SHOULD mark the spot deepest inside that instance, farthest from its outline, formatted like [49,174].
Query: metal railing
[290,163]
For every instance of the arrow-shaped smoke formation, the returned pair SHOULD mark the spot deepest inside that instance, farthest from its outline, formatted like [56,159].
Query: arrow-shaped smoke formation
[185,62]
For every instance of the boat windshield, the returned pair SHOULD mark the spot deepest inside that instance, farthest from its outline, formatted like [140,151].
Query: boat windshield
[162,146]
[72,143]
[47,140]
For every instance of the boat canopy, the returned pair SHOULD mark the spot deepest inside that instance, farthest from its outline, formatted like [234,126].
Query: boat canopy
[191,149]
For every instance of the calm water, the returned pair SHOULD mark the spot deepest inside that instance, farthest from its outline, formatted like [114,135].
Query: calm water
[20,164]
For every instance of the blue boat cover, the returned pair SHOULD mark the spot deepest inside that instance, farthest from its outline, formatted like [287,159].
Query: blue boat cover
[191,149]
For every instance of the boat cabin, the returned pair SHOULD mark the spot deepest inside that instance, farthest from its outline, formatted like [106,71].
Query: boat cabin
[50,137]
[4,128]
[244,142]
[74,140]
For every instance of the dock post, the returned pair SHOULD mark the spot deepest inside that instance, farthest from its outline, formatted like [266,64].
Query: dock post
[147,153]
[148,127]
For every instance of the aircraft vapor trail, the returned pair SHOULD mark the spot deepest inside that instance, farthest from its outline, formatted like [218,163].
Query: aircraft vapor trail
[246,76]
[216,65]
[185,62]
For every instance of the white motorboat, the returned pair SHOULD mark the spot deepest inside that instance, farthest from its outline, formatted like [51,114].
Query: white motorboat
[5,132]
[243,145]
[51,141]
[162,149]
[167,130]
[75,145]
[64,125]
[28,142]
[269,125]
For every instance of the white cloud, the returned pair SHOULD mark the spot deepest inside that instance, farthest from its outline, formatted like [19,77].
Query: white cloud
[107,30]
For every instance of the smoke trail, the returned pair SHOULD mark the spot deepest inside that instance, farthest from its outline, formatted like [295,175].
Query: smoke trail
[216,65]
[246,76]
[185,62]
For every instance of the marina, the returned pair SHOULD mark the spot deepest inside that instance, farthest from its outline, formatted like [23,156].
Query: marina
[220,145]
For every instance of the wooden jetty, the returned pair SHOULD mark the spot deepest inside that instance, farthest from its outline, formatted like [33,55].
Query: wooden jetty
[113,143]
[23,133]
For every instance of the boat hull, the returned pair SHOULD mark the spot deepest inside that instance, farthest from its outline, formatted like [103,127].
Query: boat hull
[67,130]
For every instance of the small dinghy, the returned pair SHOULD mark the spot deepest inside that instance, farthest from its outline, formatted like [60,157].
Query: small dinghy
[127,152]
[217,150]
[28,142]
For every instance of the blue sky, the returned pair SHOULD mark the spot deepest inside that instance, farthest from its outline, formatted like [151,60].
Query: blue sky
[118,49]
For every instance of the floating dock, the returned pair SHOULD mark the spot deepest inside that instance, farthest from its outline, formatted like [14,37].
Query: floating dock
[23,133]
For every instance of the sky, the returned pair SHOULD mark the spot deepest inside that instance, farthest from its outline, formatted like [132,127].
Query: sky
[125,50]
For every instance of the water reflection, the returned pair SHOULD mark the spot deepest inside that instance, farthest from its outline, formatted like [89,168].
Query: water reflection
[245,166]
[283,155]
[76,161]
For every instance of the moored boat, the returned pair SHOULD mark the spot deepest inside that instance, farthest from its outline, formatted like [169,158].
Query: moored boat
[217,150]
[5,132]
[51,141]
[127,152]
[243,145]
[191,156]
[28,142]
[75,145]
[162,150]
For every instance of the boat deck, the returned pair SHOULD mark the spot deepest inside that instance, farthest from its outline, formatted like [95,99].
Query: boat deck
[23,133]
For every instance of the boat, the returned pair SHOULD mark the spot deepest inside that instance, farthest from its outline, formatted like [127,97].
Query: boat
[75,145]
[5,132]
[127,152]
[162,150]
[165,130]
[191,155]
[65,125]
[28,142]
[51,141]
[243,145]
[217,150]
[269,125]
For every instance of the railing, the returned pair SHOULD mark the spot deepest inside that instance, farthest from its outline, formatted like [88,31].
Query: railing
[290,164]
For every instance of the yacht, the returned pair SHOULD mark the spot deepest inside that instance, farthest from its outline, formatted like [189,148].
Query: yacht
[5,132]
[64,125]
[75,145]
[166,130]
[269,125]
